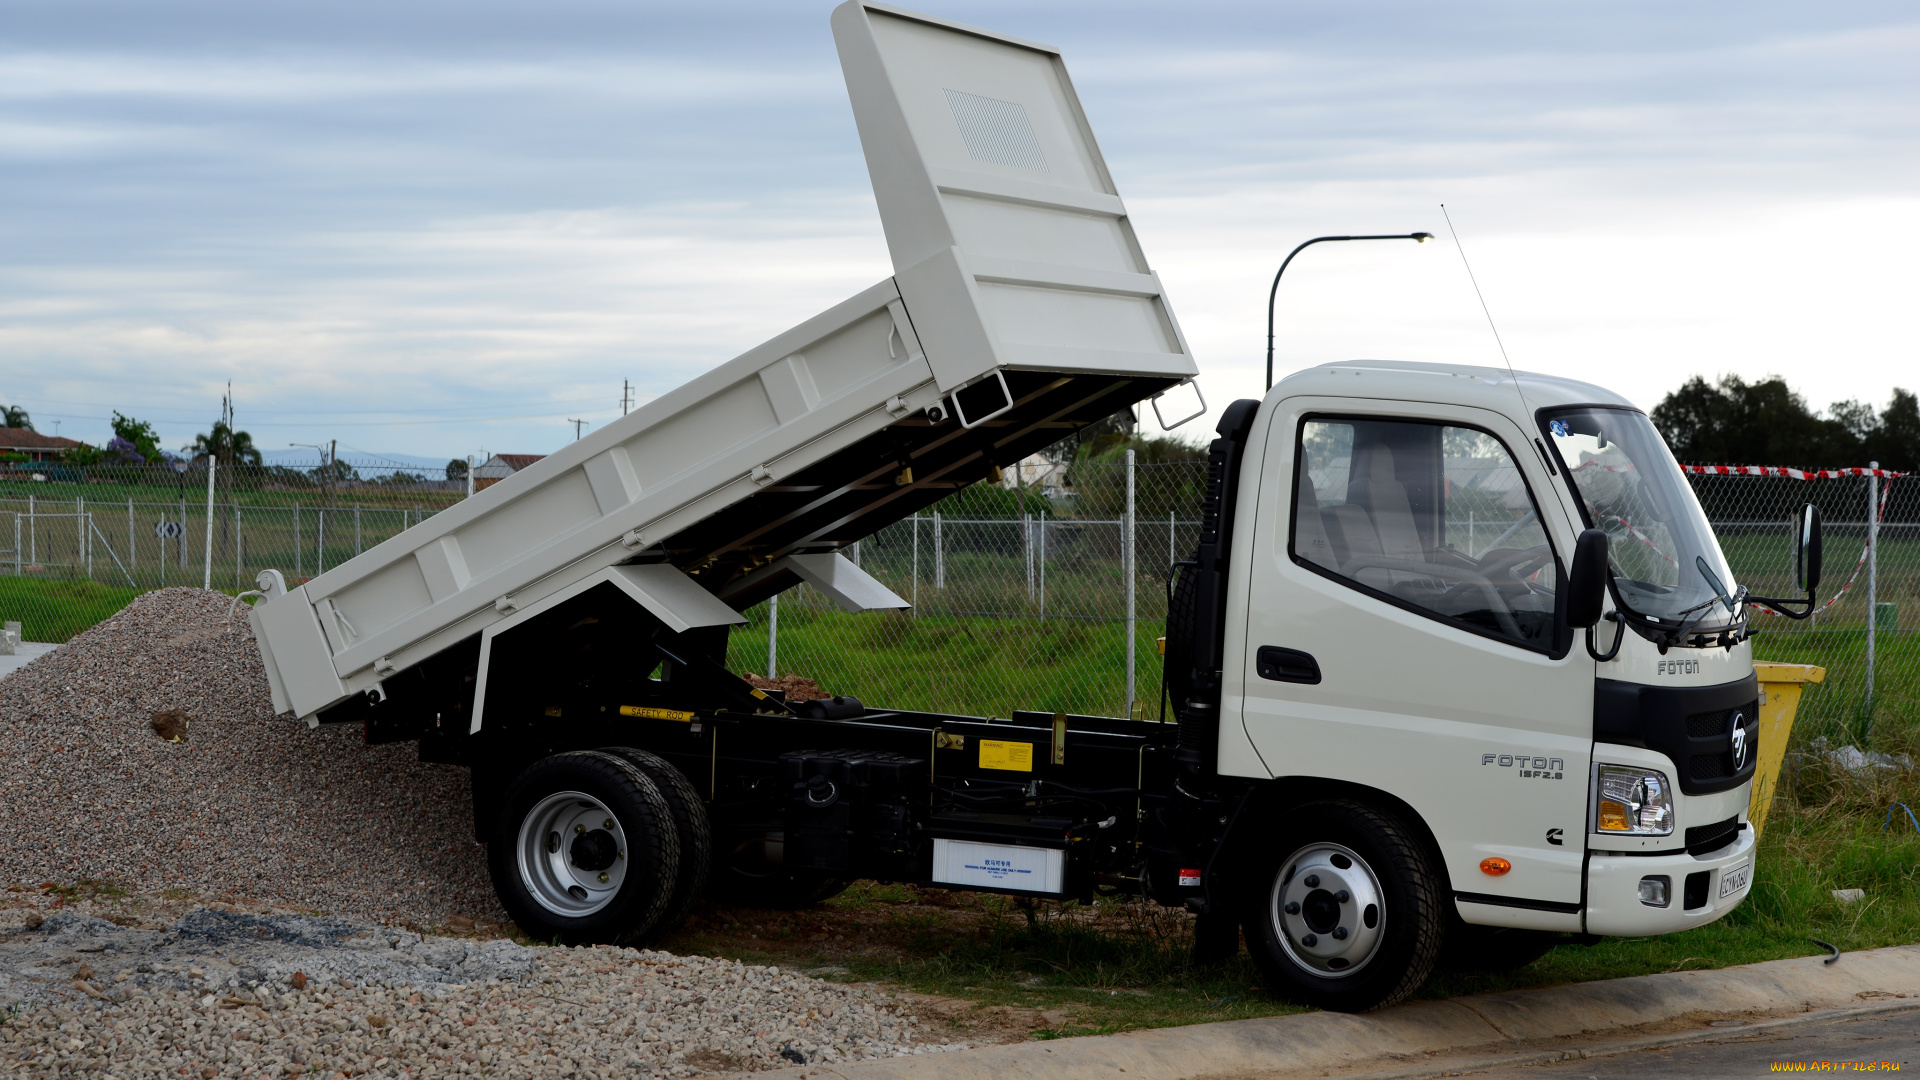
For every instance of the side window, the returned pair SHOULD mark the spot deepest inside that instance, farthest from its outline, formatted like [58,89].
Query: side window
[1434,517]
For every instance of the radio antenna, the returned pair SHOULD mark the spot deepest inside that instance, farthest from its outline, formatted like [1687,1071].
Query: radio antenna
[1461,248]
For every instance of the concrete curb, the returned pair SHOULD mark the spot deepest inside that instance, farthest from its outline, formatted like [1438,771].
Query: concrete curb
[1409,1040]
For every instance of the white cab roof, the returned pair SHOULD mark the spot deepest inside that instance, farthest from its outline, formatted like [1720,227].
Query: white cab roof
[1456,384]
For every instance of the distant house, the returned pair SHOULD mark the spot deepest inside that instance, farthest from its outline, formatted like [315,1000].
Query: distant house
[1040,473]
[35,446]
[499,467]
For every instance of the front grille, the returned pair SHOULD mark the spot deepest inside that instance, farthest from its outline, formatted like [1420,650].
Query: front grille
[1704,838]
[1708,724]
[1707,767]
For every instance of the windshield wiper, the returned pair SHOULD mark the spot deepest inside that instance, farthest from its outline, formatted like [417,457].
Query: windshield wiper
[1731,635]
[1719,590]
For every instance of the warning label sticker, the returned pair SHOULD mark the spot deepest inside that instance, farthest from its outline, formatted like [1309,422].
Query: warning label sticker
[1011,756]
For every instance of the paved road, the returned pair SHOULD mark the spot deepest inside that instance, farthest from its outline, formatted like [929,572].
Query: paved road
[26,652]
[1892,1040]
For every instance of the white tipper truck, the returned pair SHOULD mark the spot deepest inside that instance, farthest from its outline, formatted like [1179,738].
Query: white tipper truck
[1394,726]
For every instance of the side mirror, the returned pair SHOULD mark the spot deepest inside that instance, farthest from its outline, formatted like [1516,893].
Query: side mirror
[1806,549]
[1587,581]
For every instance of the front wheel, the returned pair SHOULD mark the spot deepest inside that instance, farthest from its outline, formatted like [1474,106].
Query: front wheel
[585,850]
[1347,914]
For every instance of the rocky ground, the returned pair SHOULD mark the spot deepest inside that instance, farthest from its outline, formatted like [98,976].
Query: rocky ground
[246,804]
[223,993]
[164,830]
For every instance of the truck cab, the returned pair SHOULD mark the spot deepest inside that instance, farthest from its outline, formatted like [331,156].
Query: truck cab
[1396,635]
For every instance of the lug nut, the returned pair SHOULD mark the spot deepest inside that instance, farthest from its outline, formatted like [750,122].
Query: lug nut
[579,828]
[1309,941]
[1342,896]
[1339,932]
[607,824]
[1293,908]
[603,881]
[1313,881]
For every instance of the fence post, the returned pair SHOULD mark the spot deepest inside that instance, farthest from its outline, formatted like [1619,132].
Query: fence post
[1026,549]
[1126,567]
[1042,558]
[82,553]
[33,531]
[180,545]
[939,555]
[469,476]
[206,560]
[297,556]
[239,572]
[133,549]
[320,541]
[773,635]
[356,528]
[1873,582]
[16,543]
[915,597]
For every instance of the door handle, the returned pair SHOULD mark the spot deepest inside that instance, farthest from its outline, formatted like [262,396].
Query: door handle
[1286,665]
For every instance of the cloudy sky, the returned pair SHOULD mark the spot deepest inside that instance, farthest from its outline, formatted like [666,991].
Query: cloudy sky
[436,228]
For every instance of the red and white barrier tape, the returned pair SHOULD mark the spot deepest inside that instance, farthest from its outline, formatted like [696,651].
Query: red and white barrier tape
[1780,470]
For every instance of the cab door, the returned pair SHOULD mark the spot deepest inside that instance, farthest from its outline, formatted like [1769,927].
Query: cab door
[1404,632]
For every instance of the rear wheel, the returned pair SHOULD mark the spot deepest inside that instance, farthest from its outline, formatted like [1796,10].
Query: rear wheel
[1347,913]
[694,833]
[585,850]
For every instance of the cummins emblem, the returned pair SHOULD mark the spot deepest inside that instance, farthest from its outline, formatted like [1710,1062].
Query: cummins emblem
[1739,741]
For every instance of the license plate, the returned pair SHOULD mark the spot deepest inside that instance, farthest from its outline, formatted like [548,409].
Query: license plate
[1734,879]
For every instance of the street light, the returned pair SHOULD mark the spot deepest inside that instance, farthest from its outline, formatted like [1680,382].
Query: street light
[1418,238]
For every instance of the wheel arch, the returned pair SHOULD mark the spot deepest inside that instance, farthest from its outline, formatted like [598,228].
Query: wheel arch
[1266,801]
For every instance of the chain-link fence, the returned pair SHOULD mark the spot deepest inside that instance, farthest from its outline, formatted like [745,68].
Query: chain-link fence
[1046,594]
[1041,597]
[1862,631]
[77,544]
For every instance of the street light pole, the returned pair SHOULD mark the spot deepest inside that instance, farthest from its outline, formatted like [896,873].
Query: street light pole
[1418,238]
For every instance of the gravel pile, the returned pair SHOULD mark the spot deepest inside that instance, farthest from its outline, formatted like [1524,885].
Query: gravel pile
[248,804]
[220,994]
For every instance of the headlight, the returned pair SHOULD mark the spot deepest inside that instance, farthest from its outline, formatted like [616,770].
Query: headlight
[1633,802]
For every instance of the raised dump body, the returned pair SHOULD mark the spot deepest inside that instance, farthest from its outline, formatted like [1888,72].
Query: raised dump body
[1020,309]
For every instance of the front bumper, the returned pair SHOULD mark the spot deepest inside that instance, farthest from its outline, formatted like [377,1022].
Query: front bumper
[1613,889]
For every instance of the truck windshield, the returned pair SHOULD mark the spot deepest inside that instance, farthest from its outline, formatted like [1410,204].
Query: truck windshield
[1667,566]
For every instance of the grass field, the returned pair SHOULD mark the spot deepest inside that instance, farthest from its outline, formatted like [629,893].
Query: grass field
[59,610]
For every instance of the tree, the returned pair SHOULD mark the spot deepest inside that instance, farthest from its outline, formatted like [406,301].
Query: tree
[334,472]
[1734,422]
[15,416]
[457,470]
[1895,441]
[134,441]
[229,446]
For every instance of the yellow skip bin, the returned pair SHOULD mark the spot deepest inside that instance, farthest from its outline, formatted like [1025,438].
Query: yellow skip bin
[1780,687]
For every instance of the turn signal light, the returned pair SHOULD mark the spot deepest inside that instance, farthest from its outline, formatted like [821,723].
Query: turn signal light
[1495,866]
[1613,816]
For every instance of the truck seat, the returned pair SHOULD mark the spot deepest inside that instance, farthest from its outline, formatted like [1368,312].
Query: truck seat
[1380,491]
[1311,540]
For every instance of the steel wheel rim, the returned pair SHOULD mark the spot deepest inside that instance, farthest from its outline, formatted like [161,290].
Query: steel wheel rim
[572,853]
[1326,935]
